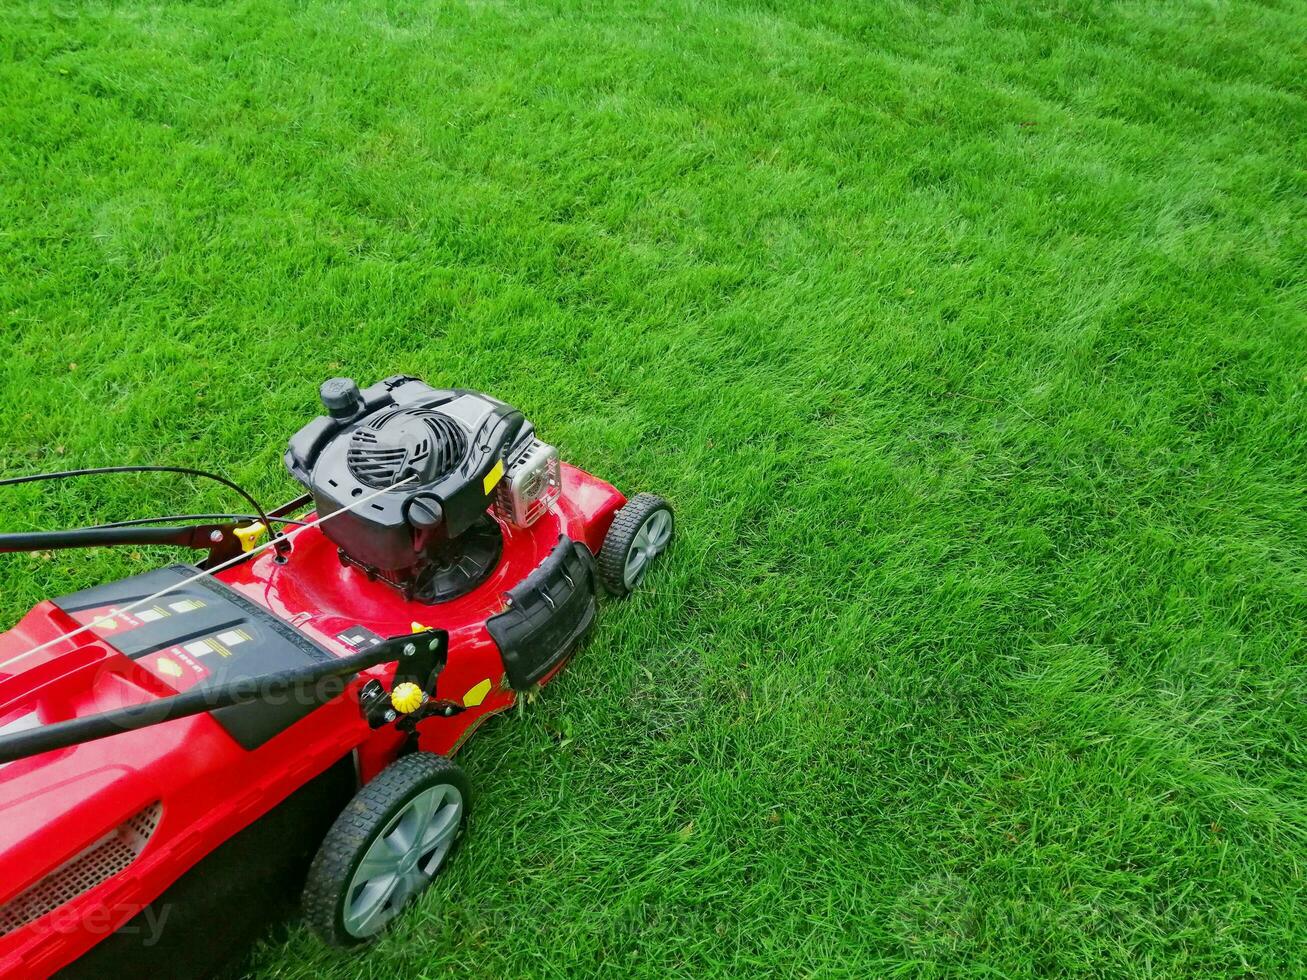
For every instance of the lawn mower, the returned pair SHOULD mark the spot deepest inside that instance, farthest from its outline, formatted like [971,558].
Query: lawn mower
[181,749]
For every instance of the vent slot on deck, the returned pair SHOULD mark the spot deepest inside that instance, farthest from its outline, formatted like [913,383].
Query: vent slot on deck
[108,856]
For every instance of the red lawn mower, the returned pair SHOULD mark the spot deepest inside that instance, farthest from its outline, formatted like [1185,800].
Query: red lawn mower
[181,749]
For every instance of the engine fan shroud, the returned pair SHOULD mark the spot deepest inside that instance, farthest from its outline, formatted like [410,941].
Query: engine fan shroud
[405,441]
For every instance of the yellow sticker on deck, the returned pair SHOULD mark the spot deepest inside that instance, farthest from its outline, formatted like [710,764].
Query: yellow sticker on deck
[476,694]
[493,476]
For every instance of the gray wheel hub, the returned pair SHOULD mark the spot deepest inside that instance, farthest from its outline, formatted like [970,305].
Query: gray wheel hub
[401,860]
[648,544]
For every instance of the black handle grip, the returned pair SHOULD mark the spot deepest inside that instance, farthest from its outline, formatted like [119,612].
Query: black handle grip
[99,537]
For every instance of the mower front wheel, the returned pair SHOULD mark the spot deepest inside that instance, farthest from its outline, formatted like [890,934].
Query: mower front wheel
[385,848]
[640,532]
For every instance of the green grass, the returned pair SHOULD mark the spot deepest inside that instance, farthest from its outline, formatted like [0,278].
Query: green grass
[967,338]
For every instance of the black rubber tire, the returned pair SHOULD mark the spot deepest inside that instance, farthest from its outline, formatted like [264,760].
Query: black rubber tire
[611,561]
[366,816]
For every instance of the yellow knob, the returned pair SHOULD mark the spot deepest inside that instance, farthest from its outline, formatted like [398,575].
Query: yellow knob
[250,534]
[407,698]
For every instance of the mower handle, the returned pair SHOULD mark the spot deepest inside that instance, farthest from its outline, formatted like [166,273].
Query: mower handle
[199,536]
[219,540]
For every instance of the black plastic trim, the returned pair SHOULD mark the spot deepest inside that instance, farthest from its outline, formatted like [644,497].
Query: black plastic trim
[547,613]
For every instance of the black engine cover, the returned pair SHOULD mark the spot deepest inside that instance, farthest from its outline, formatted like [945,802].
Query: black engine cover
[451,443]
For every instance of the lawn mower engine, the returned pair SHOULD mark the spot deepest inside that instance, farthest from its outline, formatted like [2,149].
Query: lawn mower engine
[450,452]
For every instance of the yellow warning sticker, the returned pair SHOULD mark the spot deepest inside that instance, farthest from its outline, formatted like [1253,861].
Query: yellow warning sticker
[492,478]
[476,694]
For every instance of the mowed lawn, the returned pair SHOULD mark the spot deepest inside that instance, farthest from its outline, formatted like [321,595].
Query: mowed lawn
[968,340]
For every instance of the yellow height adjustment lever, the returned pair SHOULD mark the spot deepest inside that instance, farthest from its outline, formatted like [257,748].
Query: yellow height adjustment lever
[251,534]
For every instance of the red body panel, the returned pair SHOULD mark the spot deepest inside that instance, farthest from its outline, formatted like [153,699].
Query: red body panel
[53,806]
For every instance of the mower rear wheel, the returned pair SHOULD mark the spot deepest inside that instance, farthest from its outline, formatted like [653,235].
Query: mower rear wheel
[385,848]
[640,532]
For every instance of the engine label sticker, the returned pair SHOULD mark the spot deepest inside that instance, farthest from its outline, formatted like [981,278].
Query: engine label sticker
[492,478]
